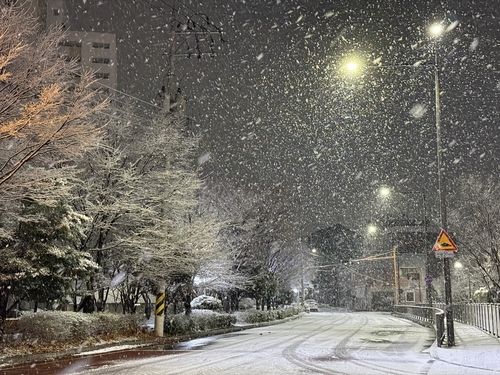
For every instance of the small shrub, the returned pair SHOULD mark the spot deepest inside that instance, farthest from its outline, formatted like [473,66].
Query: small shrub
[259,316]
[198,321]
[205,302]
[68,326]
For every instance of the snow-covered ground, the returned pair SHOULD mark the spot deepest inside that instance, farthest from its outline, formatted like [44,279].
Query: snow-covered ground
[328,343]
[474,350]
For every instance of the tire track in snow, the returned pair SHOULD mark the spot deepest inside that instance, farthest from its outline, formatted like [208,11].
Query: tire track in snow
[290,353]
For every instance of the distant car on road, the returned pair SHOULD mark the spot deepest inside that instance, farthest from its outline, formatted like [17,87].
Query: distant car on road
[312,304]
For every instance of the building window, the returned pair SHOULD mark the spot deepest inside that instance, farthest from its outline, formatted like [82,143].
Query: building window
[56,12]
[100,45]
[71,43]
[410,273]
[100,60]
[101,75]
[410,296]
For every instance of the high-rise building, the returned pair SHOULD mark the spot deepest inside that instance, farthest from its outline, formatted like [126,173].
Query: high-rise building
[95,51]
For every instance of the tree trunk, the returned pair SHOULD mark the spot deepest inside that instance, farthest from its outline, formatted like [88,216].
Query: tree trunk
[187,299]
[147,305]
[102,297]
[75,305]
[4,300]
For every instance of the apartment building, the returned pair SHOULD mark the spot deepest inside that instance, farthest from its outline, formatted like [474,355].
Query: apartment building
[95,51]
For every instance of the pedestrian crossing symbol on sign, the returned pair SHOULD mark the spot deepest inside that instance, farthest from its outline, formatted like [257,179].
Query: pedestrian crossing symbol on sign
[444,243]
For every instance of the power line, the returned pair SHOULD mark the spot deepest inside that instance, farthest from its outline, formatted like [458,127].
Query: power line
[122,111]
[163,12]
[124,93]
[202,16]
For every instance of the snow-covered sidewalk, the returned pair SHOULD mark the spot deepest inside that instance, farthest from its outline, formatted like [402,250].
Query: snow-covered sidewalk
[473,348]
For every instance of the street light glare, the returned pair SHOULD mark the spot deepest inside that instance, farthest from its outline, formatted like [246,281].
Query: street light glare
[436,29]
[384,191]
[372,229]
[352,66]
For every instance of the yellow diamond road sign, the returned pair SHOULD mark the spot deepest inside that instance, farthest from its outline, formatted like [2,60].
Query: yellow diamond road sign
[444,243]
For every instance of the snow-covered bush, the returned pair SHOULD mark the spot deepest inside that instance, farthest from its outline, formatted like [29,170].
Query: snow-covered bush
[247,303]
[198,321]
[258,316]
[205,302]
[68,326]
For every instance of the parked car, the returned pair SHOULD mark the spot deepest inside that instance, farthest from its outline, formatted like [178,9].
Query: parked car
[312,304]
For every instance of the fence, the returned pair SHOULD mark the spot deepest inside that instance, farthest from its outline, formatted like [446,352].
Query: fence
[429,315]
[485,316]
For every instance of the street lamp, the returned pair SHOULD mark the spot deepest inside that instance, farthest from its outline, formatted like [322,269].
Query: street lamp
[384,191]
[372,229]
[436,31]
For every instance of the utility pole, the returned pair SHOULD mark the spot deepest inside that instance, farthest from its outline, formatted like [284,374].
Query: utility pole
[183,30]
[192,35]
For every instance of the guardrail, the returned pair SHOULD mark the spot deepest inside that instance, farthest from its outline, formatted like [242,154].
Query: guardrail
[485,316]
[423,314]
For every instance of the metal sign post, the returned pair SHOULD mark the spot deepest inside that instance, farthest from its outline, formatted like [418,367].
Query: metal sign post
[445,248]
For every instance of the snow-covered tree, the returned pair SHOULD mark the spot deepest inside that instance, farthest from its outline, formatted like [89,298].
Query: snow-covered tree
[45,253]
[475,222]
[140,192]
[44,110]
[254,234]
[333,247]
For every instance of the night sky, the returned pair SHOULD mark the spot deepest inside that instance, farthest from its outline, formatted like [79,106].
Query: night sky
[276,113]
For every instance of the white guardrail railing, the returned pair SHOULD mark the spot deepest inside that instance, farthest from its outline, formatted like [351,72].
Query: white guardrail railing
[485,316]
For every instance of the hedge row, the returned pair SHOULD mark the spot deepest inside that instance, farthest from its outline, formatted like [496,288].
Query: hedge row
[65,326]
[258,316]
[68,326]
[198,321]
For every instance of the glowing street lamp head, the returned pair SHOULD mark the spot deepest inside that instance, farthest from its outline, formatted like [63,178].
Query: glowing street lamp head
[384,191]
[352,66]
[372,229]
[436,30]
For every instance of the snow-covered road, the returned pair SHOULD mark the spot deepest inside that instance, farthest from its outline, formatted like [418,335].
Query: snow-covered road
[318,343]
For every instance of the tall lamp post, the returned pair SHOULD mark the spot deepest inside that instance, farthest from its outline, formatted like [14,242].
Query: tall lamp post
[436,31]
[353,68]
